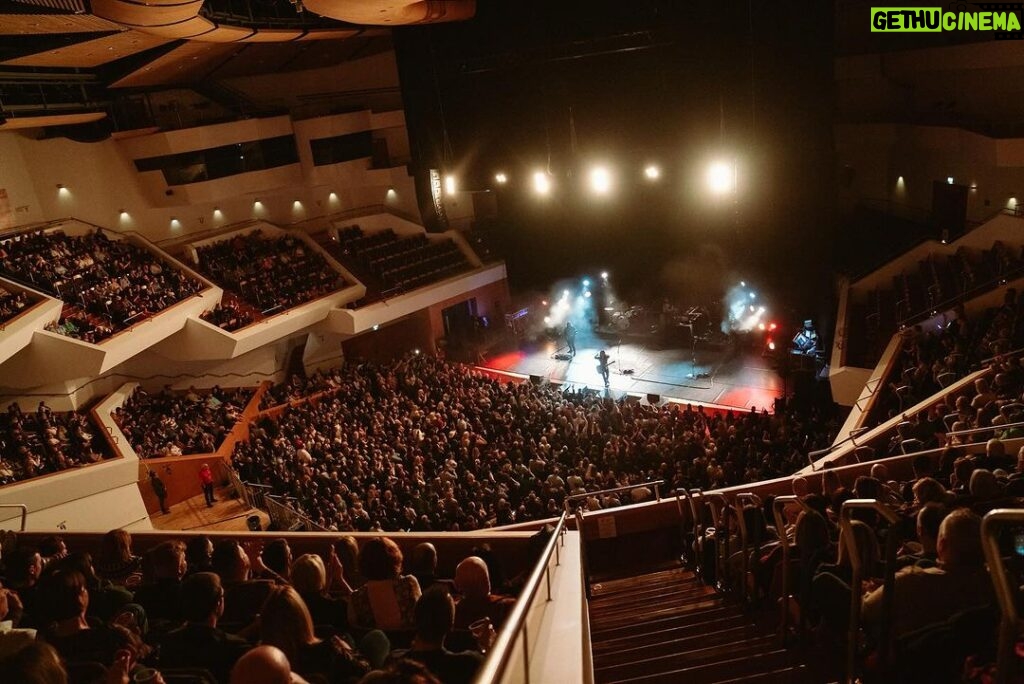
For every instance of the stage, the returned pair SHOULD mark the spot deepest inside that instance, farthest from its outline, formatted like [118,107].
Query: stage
[720,377]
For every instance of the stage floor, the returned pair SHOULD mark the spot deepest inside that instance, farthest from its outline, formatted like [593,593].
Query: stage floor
[718,377]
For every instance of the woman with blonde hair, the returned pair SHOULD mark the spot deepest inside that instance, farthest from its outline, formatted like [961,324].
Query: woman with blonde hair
[309,577]
[285,622]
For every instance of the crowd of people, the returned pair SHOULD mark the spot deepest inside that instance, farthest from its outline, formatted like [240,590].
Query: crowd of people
[299,387]
[12,303]
[246,613]
[45,441]
[106,284]
[424,444]
[929,360]
[230,315]
[269,273]
[943,609]
[171,423]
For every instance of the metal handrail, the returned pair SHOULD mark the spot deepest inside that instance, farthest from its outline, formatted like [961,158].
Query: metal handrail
[501,653]
[856,597]
[989,360]
[615,490]
[1010,622]
[778,506]
[696,525]
[745,544]
[719,505]
[24,513]
[989,428]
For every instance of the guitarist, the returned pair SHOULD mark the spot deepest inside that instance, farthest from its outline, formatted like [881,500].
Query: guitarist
[603,366]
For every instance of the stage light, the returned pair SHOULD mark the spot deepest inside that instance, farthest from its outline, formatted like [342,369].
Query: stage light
[217,214]
[449,184]
[752,295]
[721,178]
[390,195]
[760,326]
[743,283]
[751,309]
[416,352]
[771,345]
[586,282]
[587,294]
[296,204]
[600,180]
[333,197]
[772,326]
[62,192]
[376,326]
[547,320]
[541,183]
[256,204]
[565,294]
[949,180]
[604,275]
[123,213]
[652,172]
[175,223]
[500,178]
[543,302]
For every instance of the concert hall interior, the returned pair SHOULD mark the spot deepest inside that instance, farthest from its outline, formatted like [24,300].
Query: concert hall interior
[505,341]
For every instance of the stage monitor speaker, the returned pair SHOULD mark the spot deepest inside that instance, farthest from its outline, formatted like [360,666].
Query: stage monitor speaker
[536,379]
[653,399]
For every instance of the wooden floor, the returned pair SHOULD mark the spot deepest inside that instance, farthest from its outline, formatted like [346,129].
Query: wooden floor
[227,514]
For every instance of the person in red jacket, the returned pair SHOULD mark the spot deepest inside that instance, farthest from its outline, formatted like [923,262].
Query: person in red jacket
[206,478]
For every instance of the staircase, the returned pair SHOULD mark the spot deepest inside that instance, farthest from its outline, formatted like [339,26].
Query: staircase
[666,626]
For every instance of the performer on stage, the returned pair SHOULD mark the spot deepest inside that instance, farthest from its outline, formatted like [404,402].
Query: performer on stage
[602,366]
[570,337]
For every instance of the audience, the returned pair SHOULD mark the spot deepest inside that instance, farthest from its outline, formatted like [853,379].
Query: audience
[106,284]
[387,599]
[435,619]
[180,423]
[231,315]
[199,642]
[422,444]
[270,274]
[33,444]
[12,304]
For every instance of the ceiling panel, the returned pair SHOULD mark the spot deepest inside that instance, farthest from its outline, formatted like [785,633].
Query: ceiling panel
[92,53]
[186,63]
[32,24]
[51,120]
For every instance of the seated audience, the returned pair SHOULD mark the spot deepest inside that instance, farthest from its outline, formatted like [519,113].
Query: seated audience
[45,441]
[199,642]
[435,618]
[270,274]
[926,595]
[106,284]
[476,601]
[172,424]
[12,304]
[116,562]
[309,577]
[285,622]
[243,596]
[387,599]
[264,665]
[159,595]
